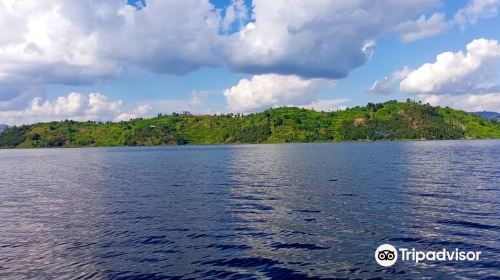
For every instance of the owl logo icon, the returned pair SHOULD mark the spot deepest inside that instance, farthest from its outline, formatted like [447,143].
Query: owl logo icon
[386,255]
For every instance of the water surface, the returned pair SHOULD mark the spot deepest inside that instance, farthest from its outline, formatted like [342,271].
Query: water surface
[248,211]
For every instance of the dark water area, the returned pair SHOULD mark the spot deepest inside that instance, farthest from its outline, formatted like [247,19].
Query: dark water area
[294,211]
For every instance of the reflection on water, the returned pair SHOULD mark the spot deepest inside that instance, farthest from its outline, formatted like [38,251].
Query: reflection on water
[252,211]
[459,213]
[316,207]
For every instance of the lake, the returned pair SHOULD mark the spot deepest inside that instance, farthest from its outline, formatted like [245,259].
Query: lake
[300,211]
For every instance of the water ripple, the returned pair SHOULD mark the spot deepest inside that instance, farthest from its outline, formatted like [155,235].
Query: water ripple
[298,211]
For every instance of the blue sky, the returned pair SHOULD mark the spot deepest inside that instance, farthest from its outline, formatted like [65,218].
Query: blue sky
[113,61]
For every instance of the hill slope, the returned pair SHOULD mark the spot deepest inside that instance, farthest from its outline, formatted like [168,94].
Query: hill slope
[384,121]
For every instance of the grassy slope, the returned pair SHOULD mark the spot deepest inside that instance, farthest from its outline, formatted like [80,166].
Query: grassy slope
[388,121]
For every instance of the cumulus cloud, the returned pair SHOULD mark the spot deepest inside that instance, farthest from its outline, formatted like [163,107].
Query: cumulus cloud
[327,105]
[75,106]
[83,42]
[98,107]
[475,71]
[199,102]
[172,37]
[475,10]
[315,39]
[422,28]
[75,42]
[140,111]
[466,102]
[467,80]
[53,42]
[269,90]
[71,42]
[387,84]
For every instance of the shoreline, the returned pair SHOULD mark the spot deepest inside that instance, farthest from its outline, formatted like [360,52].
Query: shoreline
[241,144]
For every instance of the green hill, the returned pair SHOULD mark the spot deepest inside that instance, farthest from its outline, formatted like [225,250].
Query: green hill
[391,120]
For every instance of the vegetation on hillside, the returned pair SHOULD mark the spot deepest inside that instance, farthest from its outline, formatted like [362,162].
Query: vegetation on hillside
[391,120]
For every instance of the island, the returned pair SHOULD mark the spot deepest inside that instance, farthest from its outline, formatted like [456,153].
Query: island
[391,120]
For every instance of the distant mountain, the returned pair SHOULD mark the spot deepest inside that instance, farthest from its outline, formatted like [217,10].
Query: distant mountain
[391,120]
[2,127]
[488,115]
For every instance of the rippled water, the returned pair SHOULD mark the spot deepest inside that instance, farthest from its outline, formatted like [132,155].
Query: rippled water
[248,212]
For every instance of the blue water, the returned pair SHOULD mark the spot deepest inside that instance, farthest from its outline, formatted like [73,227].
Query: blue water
[294,211]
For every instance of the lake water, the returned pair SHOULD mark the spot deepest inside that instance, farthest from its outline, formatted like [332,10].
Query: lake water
[295,211]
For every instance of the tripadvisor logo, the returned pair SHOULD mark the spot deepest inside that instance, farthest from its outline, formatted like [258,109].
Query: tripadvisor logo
[387,255]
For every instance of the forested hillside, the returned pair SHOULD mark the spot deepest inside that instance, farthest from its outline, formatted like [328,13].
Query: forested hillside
[383,121]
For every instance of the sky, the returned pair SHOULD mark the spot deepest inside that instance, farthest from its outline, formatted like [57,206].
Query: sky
[118,60]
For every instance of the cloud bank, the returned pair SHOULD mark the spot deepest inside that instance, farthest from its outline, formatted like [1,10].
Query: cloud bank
[291,44]
[303,38]
[83,42]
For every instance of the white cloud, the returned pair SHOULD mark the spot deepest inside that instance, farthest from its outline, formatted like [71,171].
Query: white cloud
[476,71]
[466,102]
[72,42]
[436,24]
[269,90]
[327,105]
[83,42]
[98,107]
[387,84]
[422,28]
[199,102]
[75,106]
[49,43]
[172,37]
[475,10]
[315,38]
[464,80]
[140,111]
